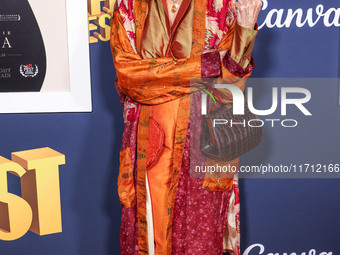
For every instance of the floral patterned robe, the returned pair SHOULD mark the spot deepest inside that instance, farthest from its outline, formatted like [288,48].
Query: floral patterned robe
[202,214]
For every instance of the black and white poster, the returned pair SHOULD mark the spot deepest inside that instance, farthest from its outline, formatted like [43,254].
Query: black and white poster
[38,40]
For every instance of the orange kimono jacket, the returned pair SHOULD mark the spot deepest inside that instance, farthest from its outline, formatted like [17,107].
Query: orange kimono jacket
[154,64]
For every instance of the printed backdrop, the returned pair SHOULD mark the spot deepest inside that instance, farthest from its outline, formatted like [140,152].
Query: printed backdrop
[280,216]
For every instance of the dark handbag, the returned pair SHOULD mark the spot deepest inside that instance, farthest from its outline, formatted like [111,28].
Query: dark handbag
[225,142]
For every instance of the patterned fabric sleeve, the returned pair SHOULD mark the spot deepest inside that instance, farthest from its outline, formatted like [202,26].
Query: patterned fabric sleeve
[238,60]
[243,44]
[223,33]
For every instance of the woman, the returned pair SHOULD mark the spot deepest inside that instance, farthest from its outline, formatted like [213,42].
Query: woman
[157,46]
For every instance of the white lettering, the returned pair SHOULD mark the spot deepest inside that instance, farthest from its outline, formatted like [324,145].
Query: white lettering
[254,247]
[298,102]
[6,42]
[262,112]
[275,17]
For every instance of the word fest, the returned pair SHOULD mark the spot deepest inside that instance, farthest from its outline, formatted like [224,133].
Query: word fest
[38,208]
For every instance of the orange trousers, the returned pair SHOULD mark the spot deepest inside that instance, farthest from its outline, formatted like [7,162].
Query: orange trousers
[160,172]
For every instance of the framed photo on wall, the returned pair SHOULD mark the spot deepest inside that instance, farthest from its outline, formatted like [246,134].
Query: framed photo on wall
[44,56]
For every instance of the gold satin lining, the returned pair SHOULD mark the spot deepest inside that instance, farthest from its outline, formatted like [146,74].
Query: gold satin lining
[182,38]
[155,38]
[158,36]
[243,44]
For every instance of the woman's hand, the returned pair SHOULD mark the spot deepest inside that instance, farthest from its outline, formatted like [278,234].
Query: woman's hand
[247,12]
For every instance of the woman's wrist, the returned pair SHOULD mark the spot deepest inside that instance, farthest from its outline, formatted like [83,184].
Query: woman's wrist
[247,12]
